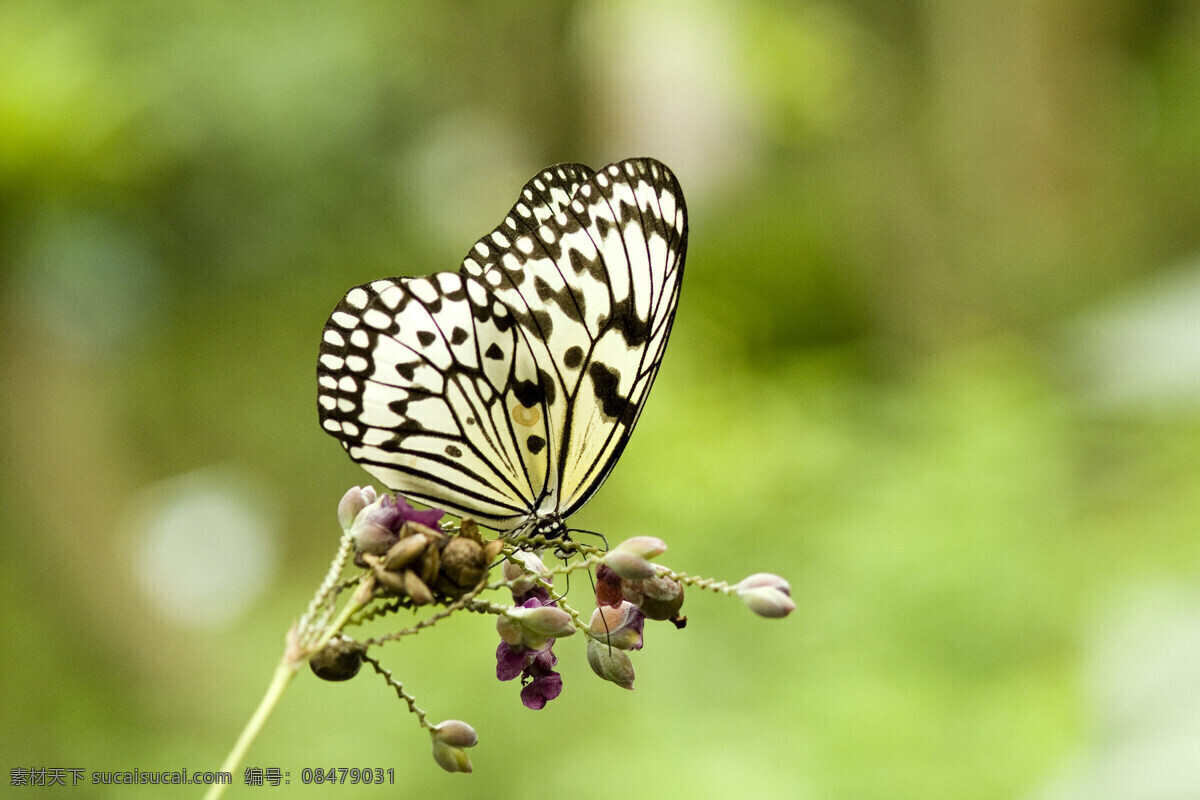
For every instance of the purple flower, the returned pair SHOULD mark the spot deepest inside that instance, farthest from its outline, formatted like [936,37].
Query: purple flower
[403,512]
[377,526]
[543,684]
[539,682]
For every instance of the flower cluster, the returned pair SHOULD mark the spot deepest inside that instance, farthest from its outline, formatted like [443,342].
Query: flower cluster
[407,555]
[528,630]
[410,560]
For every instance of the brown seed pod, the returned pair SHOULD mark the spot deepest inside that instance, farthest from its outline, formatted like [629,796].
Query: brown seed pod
[391,581]
[469,529]
[414,528]
[429,565]
[417,589]
[339,660]
[463,561]
[492,549]
[405,551]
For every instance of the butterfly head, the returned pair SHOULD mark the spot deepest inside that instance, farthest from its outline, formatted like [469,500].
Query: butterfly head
[551,527]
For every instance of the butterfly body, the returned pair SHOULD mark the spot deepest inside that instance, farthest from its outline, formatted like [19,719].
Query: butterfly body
[507,390]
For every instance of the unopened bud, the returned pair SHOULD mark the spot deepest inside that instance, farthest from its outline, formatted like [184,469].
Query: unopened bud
[610,663]
[659,597]
[520,572]
[376,527]
[534,627]
[510,630]
[619,626]
[455,733]
[644,546]
[628,565]
[371,537]
[451,759]
[354,501]
[546,621]
[766,595]
[429,565]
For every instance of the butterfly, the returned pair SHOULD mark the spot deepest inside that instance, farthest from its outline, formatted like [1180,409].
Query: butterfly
[506,391]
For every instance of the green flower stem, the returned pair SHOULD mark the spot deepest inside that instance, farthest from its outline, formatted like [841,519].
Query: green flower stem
[284,672]
[301,645]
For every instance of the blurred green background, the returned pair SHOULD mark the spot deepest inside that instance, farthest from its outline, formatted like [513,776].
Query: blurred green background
[937,361]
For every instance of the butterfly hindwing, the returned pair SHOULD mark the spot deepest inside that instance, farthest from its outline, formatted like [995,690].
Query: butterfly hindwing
[508,390]
[593,279]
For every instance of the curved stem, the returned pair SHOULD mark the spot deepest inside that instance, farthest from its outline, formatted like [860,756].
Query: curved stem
[300,646]
[284,672]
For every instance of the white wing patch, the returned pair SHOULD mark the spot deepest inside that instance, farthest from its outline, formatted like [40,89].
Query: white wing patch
[507,391]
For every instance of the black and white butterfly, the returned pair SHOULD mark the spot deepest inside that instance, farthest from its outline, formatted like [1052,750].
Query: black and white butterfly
[506,391]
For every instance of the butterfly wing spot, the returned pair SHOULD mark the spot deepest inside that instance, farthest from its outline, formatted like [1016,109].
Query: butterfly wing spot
[374,318]
[526,416]
[452,450]
[606,382]
[343,320]
[535,444]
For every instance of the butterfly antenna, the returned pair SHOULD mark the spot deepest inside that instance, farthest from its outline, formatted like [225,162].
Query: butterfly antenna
[597,534]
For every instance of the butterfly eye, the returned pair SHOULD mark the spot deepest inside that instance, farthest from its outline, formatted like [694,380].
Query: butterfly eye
[523,415]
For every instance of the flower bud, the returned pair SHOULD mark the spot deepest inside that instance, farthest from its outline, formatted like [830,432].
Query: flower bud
[546,621]
[628,565]
[451,759]
[371,537]
[766,595]
[644,546]
[659,597]
[619,626]
[533,627]
[391,581]
[520,571]
[354,501]
[377,526]
[510,631]
[761,579]
[455,733]
[610,664]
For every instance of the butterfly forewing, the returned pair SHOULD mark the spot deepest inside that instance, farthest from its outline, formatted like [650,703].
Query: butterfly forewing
[418,378]
[507,391]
